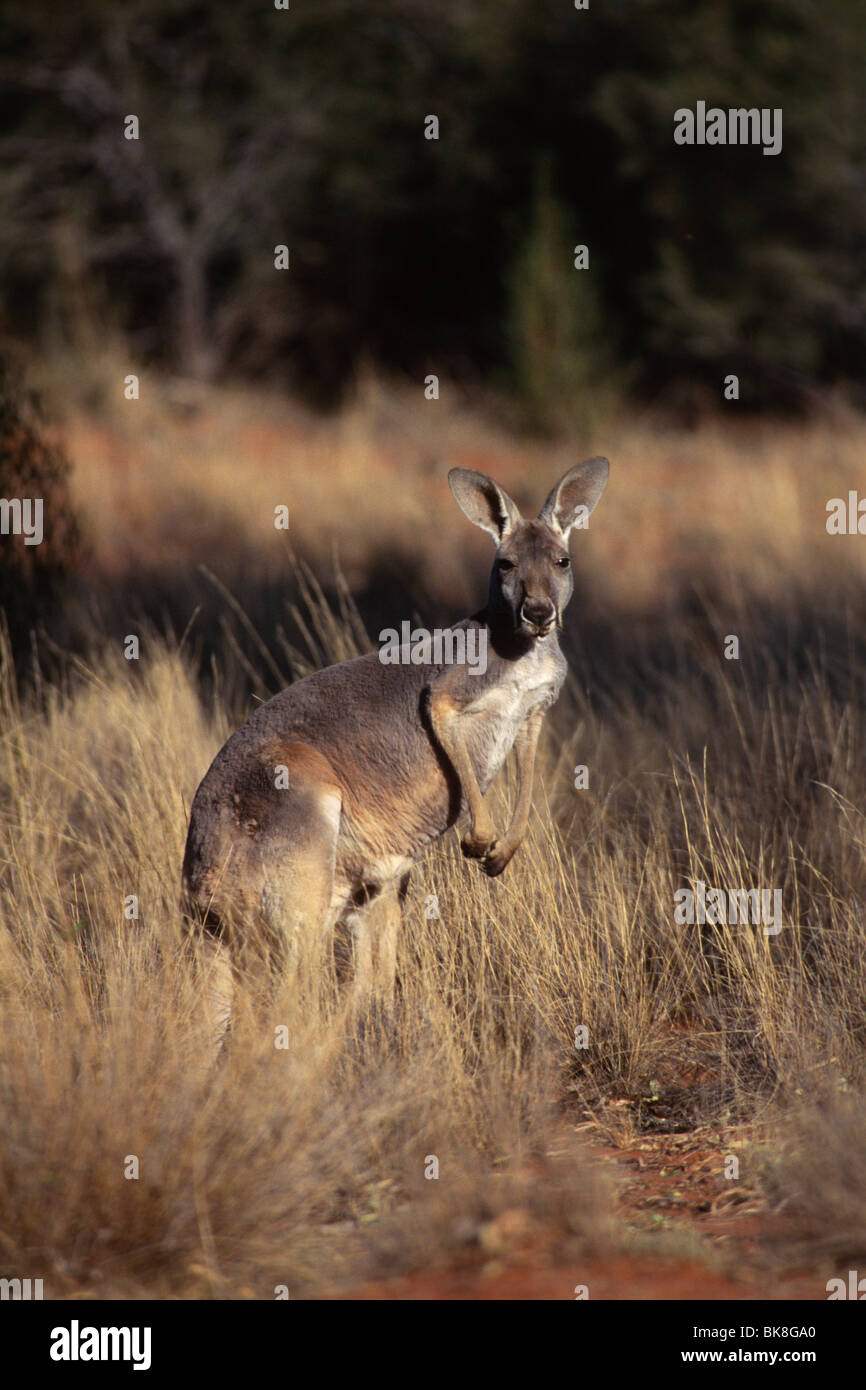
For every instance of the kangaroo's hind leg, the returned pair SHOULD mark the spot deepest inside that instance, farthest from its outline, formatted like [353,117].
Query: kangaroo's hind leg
[386,917]
[293,857]
[261,855]
[218,987]
[370,925]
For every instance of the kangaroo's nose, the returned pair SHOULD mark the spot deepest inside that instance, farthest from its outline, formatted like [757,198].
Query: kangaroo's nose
[540,612]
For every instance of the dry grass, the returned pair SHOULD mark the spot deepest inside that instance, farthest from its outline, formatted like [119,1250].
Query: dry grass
[305,1167]
[182,476]
[302,1166]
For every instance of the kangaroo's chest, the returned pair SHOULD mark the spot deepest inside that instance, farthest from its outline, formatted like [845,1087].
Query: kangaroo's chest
[495,717]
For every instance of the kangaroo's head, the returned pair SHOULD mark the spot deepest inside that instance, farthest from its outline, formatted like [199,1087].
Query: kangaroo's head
[531,582]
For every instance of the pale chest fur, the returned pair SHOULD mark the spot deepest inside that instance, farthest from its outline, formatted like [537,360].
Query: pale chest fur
[492,722]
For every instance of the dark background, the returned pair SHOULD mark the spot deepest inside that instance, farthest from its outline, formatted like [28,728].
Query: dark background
[305,127]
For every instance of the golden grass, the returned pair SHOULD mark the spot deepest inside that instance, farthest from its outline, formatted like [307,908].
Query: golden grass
[160,486]
[302,1166]
[305,1167]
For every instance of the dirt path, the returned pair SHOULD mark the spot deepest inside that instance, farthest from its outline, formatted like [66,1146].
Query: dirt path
[671,1191]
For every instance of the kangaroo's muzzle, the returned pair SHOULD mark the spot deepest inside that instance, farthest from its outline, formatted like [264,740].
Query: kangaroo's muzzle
[539,615]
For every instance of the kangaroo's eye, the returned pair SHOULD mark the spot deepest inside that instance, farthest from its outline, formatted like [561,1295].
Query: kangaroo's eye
[506,564]
[564,562]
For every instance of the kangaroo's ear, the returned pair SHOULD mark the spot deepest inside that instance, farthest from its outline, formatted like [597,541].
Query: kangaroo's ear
[485,503]
[575,496]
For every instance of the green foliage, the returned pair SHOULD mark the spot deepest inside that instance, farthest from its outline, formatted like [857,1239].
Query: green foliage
[562,361]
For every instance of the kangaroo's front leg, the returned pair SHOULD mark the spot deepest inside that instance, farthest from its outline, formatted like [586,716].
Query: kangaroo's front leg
[445,715]
[525,745]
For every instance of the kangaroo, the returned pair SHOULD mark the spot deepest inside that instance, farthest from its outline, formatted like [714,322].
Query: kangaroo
[312,814]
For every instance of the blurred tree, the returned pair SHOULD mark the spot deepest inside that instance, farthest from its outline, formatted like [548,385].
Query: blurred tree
[563,366]
[756,261]
[32,470]
[261,127]
[159,211]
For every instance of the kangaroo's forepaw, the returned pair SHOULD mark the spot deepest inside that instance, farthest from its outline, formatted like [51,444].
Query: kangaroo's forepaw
[497,858]
[477,845]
